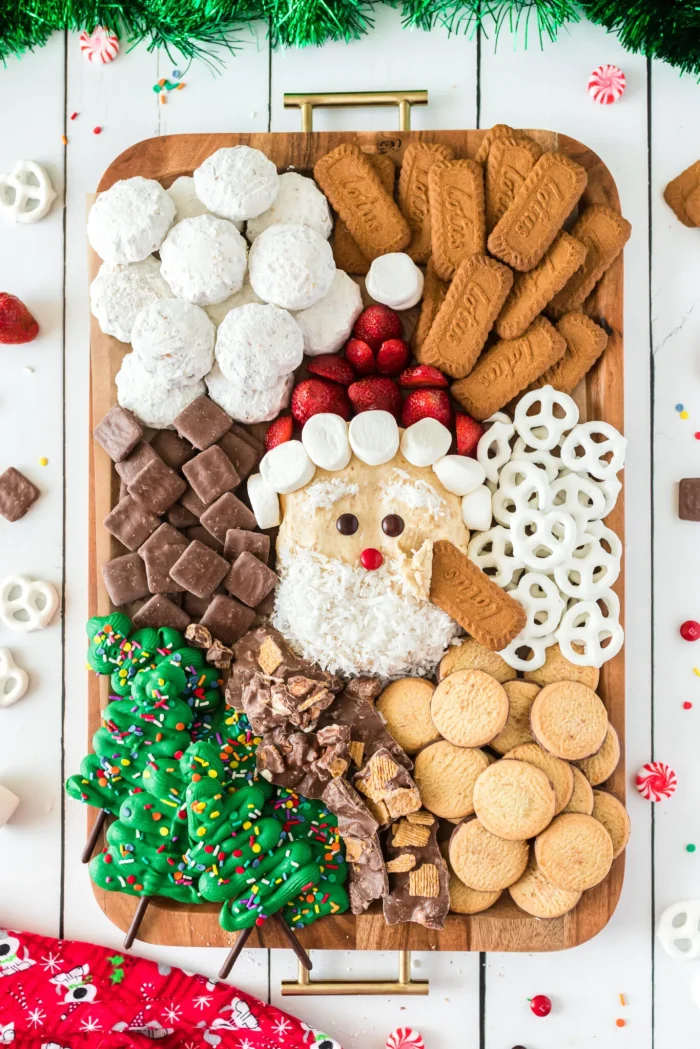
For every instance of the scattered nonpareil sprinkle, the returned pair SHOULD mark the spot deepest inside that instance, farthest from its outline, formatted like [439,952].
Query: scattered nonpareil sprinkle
[176,74]
[606,84]
[655,781]
[64,140]
[696,671]
[687,705]
[620,1022]
[97,131]
[43,461]
[690,630]
[622,999]
[28,368]
[690,847]
[73,116]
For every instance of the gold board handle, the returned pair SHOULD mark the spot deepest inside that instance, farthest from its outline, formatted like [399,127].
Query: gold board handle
[304,985]
[403,99]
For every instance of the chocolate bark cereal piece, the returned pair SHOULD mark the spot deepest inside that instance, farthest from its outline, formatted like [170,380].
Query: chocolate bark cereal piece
[401,864]
[265,651]
[434,292]
[227,620]
[191,501]
[156,486]
[539,210]
[142,455]
[463,322]
[405,833]
[238,540]
[243,455]
[179,516]
[510,160]
[292,760]
[159,611]
[383,780]
[118,433]
[198,636]
[165,535]
[203,535]
[211,473]
[130,522]
[173,449]
[424,881]
[533,290]
[194,606]
[417,161]
[356,192]
[249,579]
[125,579]
[604,234]
[689,499]
[224,513]
[354,818]
[199,569]
[358,828]
[368,880]
[585,342]
[159,561]
[507,368]
[17,494]
[346,252]
[458,224]
[490,136]
[357,752]
[355,707]
[219,655]
[682,195]
[202,422]
[418,879]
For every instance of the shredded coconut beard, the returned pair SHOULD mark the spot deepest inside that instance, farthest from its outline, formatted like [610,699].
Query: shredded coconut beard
[351,621]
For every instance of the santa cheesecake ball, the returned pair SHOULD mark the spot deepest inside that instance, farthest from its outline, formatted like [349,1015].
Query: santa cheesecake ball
[129,221]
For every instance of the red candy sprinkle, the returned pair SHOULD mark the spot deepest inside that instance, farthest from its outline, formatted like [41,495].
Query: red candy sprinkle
[371,559]
[541,1005]
[690,630]
[687,705]
[97,131]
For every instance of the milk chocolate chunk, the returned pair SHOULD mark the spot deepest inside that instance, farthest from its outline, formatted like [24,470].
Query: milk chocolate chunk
[179,516]
[354,818]
[202,422]
[291,760]
[165,535]
[130,522]
[191,501]
[355,707]
[211,473]
[224,513]
[689,499]
[418,890]
[358,828]
[250,580]
[219,655]
[198,636]
[159,561]
[243,455]
[118,433]
[160,611]
[125,579]
[17,494]
[156,486]
[199,569]
[202,535]
[194,606]
[173,450]
[142,455]
[227,620]
[238,540]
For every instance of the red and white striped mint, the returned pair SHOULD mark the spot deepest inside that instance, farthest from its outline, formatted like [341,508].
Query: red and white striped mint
[100,45]
[405,1038]
[606,85]
[656,781]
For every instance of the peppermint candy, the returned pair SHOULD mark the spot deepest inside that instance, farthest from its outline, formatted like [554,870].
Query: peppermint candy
[655,781]
[606,85]
[405,1038]
[100,46]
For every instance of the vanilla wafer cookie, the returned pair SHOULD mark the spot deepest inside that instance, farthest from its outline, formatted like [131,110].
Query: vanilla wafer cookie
[602,765]
[556,667]
[356,192]
[418,159]
[464,900]
[405,708]
[434,292]
[514,800]
[613,815]
[585,342]
[464,320]
[558,772]
[347,254]
[569,720]
[535,895]
[469,708]
[484,861]
[507,368]
[490,136]
[516,731]
[532,291]
[470,655]
[604,233]
[581,799]
[575,852]
[510,160]
[445,776]
[457,219]
[538,211]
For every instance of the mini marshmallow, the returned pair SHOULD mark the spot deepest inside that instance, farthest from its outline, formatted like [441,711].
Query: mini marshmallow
[119,293]
[374,437]
[129,221]
[184,197]
[291,266]
[325,437]
[203,259]
[287,467]
[219,310]
[328,323]
[299,202]
[264,502]
[9,803]
[460,474]
[476,509]
[237,182]
[258,345]
[248,405]
[425,442]
[395,281]
[154,402]
[174,341]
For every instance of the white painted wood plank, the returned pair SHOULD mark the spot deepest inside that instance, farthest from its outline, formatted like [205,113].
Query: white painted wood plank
[534,89]
[31,411]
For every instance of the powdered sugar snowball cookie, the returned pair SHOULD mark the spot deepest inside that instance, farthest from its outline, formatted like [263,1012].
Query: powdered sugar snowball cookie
[325,437]
[218,310]
[287,467]
[245,404]
[264,502]
[425,441]
[184,196]
[130,220]
[395,281]
[203,259]
[153,402]
[328,323]
[299,202]
[174,341]
[374,437]
[119,292]
[237,182]
[258,345]
[291,266]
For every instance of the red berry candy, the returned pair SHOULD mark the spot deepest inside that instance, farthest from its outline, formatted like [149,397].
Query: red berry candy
[690,630]
[371,559]
[469,433]
[541,1005]
[376,394]
[423,375]
[393,356]
[376,324]
[427,404]
[16,322]
[313,396]
[360,357]
[279,431]
[331,366]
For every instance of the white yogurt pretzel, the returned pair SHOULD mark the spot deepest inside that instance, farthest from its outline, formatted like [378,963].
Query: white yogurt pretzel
[544,459]
[26,193]
[521,486]
[493,450]
[592,461]
[678,930]
[544,430]
[583,625]
[543,604]
[543,540]
[610,488]
[26,604]
[13,680]
[538,651]
[501,555]
[606,535]
[579,496]
[589,571]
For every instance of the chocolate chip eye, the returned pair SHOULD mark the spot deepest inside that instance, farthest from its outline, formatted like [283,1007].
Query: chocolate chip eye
[347,524]
[392,525]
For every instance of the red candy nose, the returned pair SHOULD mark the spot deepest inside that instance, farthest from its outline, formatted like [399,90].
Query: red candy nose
[371,559]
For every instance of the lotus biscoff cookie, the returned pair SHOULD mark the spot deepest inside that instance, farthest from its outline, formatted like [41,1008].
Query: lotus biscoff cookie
[509,162]
[514,800]
[507,368]
[493,133]
[463,899]
[418,159]
[569,720]
[558,772]
[356,192]
[484,861]
[346,252]
[469,708]
[532,291]
[521,696]
[604,233]
[470,655]
[535,895]
[602,765]
[682,195]
[613,815]
[457,219]
[405,707]
[585,342]
[557,667]
[575,852]
[581,799]
[539,210]
[434,292]
[465,318]
[445,776]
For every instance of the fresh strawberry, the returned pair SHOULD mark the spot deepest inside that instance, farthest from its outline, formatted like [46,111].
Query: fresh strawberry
[423,375]
[360,357]
[393,356]
[376,394]
[279,431]
[16,322]
[430,404]
[313,396]
[331,366]
[469,431]
[376,324]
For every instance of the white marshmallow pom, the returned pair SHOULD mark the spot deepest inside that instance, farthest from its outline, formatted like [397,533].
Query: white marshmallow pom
[129,221]
[291,266]
[264,502]
[237,182]
[425,442]
[287,467]
[374,437]
[9,803]
[119,293]
[299,201]
[328,323]
[203,259]
[258,345]
[154,402]
[325,437]
[395,281]
[247,405]
[460,474]
[174,340]
[476,509]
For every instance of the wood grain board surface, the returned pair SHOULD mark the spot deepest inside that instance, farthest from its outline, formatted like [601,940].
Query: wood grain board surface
[503,927]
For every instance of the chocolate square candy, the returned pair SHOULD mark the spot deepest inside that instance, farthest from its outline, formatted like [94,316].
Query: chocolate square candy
[159,561]
[17,494]
[165,535]
[191,501]
[202,422]
[227,620]
[125,579]
[225,513]
[267,605]
[243,455]
[157,486]
[248,437]
[179,516]
[249,579]
[173,450]
[211,473]
[200,533]
[118,432]
[131,522]
[199,569]
[689,499]
[195,606]
[238,540]
[160,611]
[134,463]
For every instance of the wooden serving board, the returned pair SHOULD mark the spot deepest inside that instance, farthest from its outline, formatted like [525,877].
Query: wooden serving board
[600,396]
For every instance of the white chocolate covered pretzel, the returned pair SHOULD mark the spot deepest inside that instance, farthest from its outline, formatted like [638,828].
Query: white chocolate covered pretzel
[13,680]
[536,646]
[492,551]
[521,486]
[587,637]
[590,570]
[493,449]
[577,495]
[543,540]
[539,595]
[26,193]
[26,604]
[543,429]
[592,460]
